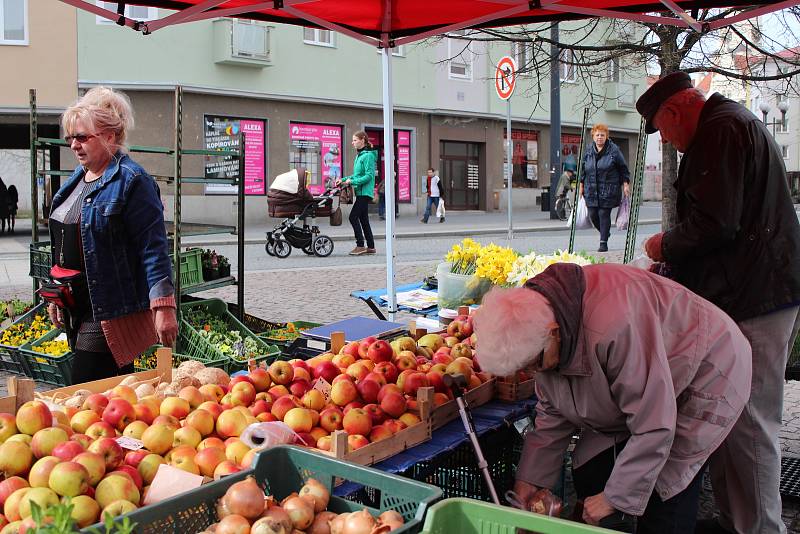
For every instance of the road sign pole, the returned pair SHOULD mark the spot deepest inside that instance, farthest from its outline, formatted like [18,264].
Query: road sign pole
[509,169]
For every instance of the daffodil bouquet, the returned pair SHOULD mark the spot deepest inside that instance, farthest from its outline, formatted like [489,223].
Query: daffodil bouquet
[531,264]
[464,257]
[470,271]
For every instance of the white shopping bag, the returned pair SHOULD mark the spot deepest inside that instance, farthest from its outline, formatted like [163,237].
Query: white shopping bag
[582,213]
[440,211]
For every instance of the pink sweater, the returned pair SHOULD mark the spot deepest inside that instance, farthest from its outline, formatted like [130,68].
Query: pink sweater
[130,335]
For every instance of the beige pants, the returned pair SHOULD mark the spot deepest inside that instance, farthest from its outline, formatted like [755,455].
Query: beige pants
[746,469]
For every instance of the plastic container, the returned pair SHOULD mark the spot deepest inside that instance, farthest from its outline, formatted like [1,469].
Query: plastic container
[459,289]
[474,517]
[41,260]
[56,370]
[283,336]
[191,267]
[280,471]
[10,358]
[196,347]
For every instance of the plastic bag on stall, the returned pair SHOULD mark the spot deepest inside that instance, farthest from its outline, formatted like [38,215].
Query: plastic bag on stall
[261,435]
[623,213]
[582,213]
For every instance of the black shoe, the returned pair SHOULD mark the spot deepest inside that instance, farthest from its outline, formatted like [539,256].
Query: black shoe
[441,220]
[709,526]
[382,218]
[603,247]
[424,221]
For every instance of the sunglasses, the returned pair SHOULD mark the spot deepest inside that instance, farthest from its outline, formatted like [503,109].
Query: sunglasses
[81,138]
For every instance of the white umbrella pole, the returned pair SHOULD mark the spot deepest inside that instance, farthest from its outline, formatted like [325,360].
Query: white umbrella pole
[388,173]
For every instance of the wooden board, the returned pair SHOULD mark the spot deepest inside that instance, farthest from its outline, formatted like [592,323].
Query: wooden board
[441,415]
[510,389]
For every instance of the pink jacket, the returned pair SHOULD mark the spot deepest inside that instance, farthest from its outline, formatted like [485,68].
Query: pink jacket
[654,363]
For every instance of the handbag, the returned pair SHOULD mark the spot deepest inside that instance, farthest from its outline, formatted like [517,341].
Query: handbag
[61,288]
[336,216]
[347,195]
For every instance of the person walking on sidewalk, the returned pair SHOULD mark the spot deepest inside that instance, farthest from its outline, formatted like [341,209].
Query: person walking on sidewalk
[4,208]
[435,190]
[605,173]
[363,182]
[736,242]
[13,207]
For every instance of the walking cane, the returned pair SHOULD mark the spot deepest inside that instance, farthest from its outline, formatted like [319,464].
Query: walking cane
[457,384]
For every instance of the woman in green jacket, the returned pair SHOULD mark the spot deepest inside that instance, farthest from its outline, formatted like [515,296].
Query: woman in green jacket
[363,182]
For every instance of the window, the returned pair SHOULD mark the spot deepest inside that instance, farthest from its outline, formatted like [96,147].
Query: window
[14,22]
[250,39]
[784,151]
[612,69]
[399,51]
[318,37]
[569,72]
[460,64]
[132,12]
[522,54]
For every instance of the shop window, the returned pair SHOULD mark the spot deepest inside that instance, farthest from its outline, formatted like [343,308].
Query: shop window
[524,158]
[397,51]
[568,70]
[131,12]
[318,37]
[318,148]
[14,22]
[522,54]
[612,69]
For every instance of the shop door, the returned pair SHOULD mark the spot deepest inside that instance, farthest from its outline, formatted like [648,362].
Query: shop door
[458,169]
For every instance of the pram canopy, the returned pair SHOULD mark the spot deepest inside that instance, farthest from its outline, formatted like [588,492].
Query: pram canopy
[288,195]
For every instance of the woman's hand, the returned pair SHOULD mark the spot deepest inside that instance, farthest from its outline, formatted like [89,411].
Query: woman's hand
[56,317]
[166,323]
[596,508]
[652,247]
[524,492]
[626,188]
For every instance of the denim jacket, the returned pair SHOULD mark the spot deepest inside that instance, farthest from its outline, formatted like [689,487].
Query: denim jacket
[124,239]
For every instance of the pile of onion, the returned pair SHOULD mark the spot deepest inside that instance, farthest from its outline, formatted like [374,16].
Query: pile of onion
[244,509]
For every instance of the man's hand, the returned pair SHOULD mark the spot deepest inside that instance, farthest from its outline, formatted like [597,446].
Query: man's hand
[596,508]
[166,326]
[56,317]
[626,188]
[652,247]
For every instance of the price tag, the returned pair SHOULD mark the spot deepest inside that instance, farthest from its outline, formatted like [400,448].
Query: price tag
[130,443]
[316,344]
[322,385]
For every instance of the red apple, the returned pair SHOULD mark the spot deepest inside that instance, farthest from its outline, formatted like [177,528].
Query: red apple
[413,382]
[96,402]
[358,370]
[350,406]
[343,392]
[281,372]
[278,391]
[379,351]
[326,370]
[351,348]
[133,458]
[298,388]
[101,429]
[356,441]
[283,405]
[375,413]
[405,362]
[32,417]
[388,370]
[119,413]
[363,346]
[394,404]
[380,432]
[260,379]
[67,450]
[389,388]
[368,389]
[331,419]
[109,450]
[376,377]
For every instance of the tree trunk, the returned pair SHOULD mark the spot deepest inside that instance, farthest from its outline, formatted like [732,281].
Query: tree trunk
[670,62]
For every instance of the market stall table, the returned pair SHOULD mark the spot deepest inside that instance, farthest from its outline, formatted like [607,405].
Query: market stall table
[376,297]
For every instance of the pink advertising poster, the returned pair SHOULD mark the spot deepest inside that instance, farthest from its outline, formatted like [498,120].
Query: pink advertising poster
[318,148]
[254,164]
[404,165]
[222,133]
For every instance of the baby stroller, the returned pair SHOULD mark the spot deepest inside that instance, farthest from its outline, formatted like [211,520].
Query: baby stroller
[288,197]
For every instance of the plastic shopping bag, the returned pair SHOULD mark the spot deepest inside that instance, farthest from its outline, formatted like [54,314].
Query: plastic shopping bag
[623,213]
[582,213]
[440,211]
[268,434]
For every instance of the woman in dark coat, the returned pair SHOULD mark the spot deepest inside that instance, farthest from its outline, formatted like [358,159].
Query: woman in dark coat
[605,178]
[13,206]
[4,207]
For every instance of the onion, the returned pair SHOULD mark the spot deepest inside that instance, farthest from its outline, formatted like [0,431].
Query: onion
[321,524]
[245,498]
[234,524]
[270,525]
[318,492]
[359,523]
[337,523]
[300,510]
[391,518]
[278,515]
[222,509]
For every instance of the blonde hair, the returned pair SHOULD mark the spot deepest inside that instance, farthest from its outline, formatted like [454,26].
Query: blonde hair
[102,109]
[600,128]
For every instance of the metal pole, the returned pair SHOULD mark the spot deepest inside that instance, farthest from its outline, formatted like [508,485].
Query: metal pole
[177,200]
[240,231]
[578,172]
[509,169]
[34,178]
[555,118]
[636,194]
[483,465]
[388,173]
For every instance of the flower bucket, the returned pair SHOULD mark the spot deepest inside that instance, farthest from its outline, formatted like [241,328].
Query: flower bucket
[459,289]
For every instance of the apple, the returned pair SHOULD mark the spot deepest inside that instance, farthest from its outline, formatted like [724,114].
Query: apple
[368,389]
[460,327]
[327,371]
[357,421]
[119,413]
[314,400]
[43,497]
[133,473]
[32,417]
[242,394]
[16,458]
[69,479]
[231,423]
[331,419]
[123,392]
[342,361]
[133,458]
[8,426]
[461,366]
[358,370]
[115,487]
[101,429]
[442,358]
[94,464]
[235,451]
[201,421]
[380,432]
[439,399]
[9,486]
[324,443]
[211,392]
[363,346]
[96,402]
[226,468]
[135,429]
[413,382]
[208,459]
[395,425]
[260,379]
[45,440]
[266,417]
[393,404]
[351,405]
[343,392]
[460,350]
[283,405]
[186,436]
[351,348]
[379,351]
[299,419]
[11,506]
[301,374]
[158,438]
[211,407]
[376,414]
[191,395]
[405,362]
[168,420]
[67,450]
[109,450]
[39,475]
[356,441]
[298,388]
[260,406]
[281,372]
[183,458]
[388,370]
[148,467]
[211,443]
[176,407]
[83,419]
[389,388]
[85,510]
[145,412]
[278,391]
[410,419]
[344,377]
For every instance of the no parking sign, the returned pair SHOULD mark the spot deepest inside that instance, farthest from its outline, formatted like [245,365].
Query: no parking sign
[505,77]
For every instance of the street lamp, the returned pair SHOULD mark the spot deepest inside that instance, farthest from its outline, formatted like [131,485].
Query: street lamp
[783,107]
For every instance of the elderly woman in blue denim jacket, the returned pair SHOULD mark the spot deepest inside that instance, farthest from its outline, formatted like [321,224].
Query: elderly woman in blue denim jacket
[107,222]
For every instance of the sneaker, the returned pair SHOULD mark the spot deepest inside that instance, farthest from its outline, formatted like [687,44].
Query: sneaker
[441,220]
[423,221]
[603,247]
[358,251]
[370,252]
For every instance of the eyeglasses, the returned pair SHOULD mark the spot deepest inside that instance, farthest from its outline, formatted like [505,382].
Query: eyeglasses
[81,138]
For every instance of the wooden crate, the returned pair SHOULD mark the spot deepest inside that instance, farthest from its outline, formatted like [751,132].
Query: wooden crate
[510,389]
[441,415]
[381,450]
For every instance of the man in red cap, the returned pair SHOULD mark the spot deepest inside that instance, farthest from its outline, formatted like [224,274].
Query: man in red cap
[736,243]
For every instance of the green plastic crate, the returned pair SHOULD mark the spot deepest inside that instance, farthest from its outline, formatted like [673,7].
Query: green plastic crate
[41,260]
[191,267]
[272,336]
[55,370]
[10,358]
[282,470]
[195,346]
[466,516]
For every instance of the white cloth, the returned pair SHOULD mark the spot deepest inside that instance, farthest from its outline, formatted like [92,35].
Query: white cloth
[435,186]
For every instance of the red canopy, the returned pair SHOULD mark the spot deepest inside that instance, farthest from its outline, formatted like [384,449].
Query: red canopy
[394,22]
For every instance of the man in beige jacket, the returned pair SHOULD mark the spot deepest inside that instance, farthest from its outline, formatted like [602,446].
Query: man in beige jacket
[652,376]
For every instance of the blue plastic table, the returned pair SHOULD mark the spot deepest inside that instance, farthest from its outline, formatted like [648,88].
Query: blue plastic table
[375,294]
